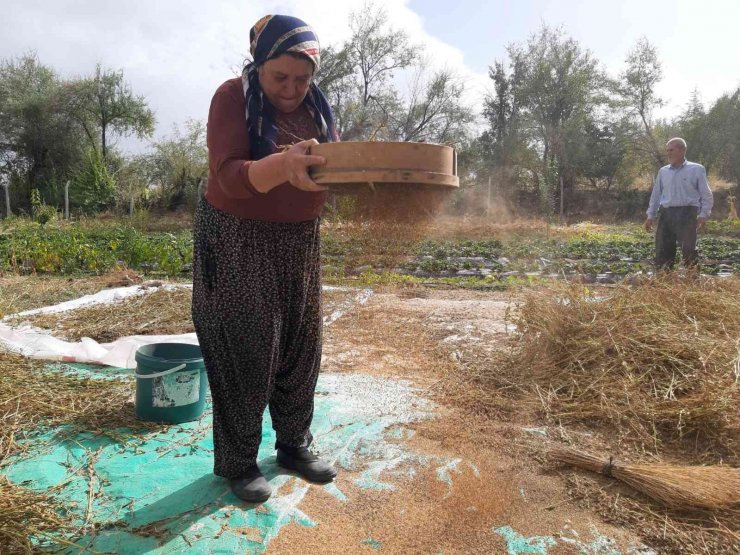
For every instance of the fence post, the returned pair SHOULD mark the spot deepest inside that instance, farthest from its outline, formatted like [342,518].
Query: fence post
[488,200]
[66,200]
[561,199]
[8,213]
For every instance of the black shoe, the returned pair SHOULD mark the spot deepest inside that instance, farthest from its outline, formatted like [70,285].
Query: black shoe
[251,487]
[305,463]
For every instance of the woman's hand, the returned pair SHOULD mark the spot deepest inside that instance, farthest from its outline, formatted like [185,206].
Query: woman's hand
[297,161]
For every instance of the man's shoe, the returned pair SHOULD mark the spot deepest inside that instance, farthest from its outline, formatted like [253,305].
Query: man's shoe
[305,463]
[252,487]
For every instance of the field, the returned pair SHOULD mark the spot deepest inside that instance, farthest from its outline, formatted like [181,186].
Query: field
[447,250]
[457,355]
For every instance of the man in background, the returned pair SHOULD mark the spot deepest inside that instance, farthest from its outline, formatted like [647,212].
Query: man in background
[683,201]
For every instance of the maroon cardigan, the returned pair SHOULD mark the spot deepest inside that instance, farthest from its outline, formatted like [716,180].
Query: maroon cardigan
[229,188]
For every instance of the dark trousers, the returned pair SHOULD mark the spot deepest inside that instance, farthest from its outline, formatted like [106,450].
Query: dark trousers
[676,224]
[257,314]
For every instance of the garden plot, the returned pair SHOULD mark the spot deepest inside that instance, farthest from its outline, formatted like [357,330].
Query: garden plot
[582,254]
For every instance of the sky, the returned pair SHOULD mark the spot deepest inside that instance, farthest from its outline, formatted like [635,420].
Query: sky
[176,52]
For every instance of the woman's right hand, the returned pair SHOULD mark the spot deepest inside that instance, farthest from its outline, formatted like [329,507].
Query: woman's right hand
[296,161]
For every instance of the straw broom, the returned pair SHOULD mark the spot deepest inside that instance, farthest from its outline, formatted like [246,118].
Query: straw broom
[677,487]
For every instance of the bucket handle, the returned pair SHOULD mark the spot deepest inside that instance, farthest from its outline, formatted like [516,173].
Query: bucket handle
[159,374]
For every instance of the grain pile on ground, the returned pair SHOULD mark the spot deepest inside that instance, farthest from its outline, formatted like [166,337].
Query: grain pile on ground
[658,363]
[162,312]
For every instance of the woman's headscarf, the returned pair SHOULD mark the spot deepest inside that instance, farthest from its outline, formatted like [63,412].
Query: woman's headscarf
[272,36]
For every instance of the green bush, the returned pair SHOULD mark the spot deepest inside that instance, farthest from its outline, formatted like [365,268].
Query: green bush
[92,188]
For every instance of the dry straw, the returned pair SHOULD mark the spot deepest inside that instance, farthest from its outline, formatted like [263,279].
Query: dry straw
[700,531]
[33,398]
[24,513]
[657,362]
[161,312]
[676,487]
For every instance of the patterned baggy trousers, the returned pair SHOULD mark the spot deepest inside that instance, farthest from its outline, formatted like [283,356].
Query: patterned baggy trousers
[257,315]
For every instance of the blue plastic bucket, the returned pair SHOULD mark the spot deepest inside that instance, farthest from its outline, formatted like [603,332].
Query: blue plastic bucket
[171,382]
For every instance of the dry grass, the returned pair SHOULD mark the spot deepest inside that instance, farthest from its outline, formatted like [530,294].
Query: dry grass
[33,399]
[658,364]
[653,369]
[162,312]
[19,293]
[668,532]
[24,512]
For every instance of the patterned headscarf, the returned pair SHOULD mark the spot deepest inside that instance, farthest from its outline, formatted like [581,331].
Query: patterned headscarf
[272,36]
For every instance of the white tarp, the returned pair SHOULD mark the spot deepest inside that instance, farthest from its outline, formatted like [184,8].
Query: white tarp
[105,296]
[36,343]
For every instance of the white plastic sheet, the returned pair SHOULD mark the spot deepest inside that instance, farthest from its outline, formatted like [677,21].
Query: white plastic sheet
[40,344]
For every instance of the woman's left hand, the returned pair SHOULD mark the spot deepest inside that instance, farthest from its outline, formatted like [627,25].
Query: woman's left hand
[296,163]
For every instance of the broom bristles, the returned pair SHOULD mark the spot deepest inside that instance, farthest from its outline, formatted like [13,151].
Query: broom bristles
[677,487]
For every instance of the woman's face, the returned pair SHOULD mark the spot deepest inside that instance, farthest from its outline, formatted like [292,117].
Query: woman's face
[285,81]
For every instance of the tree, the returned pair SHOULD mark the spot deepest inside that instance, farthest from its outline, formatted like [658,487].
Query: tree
[637,87]
[335,79]
[559,86]
[364,98]
[334,70]
[507,135]
[602,156]
[721,140]
[178,164]
[92,185]
[104,106]
[39,145]
[501,109]
[377,50]
[433,112]
[132,182]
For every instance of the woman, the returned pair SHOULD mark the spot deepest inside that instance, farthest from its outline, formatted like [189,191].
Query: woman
[256,273]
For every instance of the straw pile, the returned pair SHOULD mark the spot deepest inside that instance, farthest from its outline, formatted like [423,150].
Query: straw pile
[676,487]
[162,312]
[23,512]
[32,399]
[659,363]
[18,293]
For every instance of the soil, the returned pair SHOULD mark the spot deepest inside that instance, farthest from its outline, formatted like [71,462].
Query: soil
[500,481]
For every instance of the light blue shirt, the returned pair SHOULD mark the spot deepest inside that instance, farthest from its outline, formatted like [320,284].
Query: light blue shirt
[685,185]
